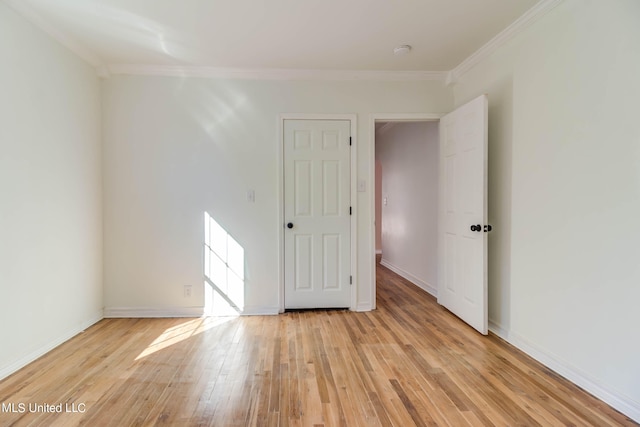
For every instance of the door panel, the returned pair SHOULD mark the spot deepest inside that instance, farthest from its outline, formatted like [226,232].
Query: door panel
[303,250]
[331,188]
[331,261]
[317,161]
[302,188]
[463,203]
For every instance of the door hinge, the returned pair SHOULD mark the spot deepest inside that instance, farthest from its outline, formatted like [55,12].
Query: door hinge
[350,210]
[351,280]
[350,142]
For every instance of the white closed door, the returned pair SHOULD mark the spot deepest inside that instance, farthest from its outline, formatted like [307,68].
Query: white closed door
[462,284]
[317,159]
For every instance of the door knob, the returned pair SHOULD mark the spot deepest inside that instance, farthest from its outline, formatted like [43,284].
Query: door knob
[290,225]
[476,228]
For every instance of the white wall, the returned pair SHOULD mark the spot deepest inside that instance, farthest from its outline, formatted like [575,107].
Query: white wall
[408,153]
[50,193]
[564,187]
[175,148]
[565,193]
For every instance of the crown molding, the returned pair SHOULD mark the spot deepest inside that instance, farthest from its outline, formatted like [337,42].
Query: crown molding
[531,16]
[272,73]
[447,77]
[28,13]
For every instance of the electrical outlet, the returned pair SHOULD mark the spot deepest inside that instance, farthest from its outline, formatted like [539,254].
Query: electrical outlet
[187,291]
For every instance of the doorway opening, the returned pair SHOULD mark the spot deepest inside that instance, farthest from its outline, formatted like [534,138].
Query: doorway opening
[406,156]
[461,276]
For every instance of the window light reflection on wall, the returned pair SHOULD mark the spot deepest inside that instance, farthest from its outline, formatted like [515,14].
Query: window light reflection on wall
[223,270]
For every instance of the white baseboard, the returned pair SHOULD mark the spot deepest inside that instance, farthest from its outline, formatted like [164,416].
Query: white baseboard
[62,338]
[617,400]
[363,306]
[498,330]
[379,251]
[151,312]
[418,282]
[260,311]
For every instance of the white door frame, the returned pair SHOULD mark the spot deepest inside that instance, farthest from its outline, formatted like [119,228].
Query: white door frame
[352,118]
[395,117]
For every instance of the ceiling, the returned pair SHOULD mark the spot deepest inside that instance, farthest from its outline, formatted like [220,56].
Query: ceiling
[278,34]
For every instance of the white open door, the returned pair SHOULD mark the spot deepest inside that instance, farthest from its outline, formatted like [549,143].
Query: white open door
[317,195]
[462,234]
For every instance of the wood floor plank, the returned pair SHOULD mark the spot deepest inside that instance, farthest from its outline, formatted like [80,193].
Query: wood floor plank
[410,362]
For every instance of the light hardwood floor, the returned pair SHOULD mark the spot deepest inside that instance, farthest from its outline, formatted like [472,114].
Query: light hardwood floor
[410,362]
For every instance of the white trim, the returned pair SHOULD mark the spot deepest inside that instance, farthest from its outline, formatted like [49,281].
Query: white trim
[448,77]
[614,398]
[260,311]
[425,286]
[273,73]
[354,216]
[39,352]
[519,25]
[353,120]
[498,330]
[152,312]
[364,306]
[103,71]
[395,117]
[71,43]
[280,198]
[582,379]
[405,117]
[378,251]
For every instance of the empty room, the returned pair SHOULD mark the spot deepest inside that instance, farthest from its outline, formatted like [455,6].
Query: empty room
[194,196]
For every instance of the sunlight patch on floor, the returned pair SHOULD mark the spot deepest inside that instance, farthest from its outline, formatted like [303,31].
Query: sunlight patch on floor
[182,332]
